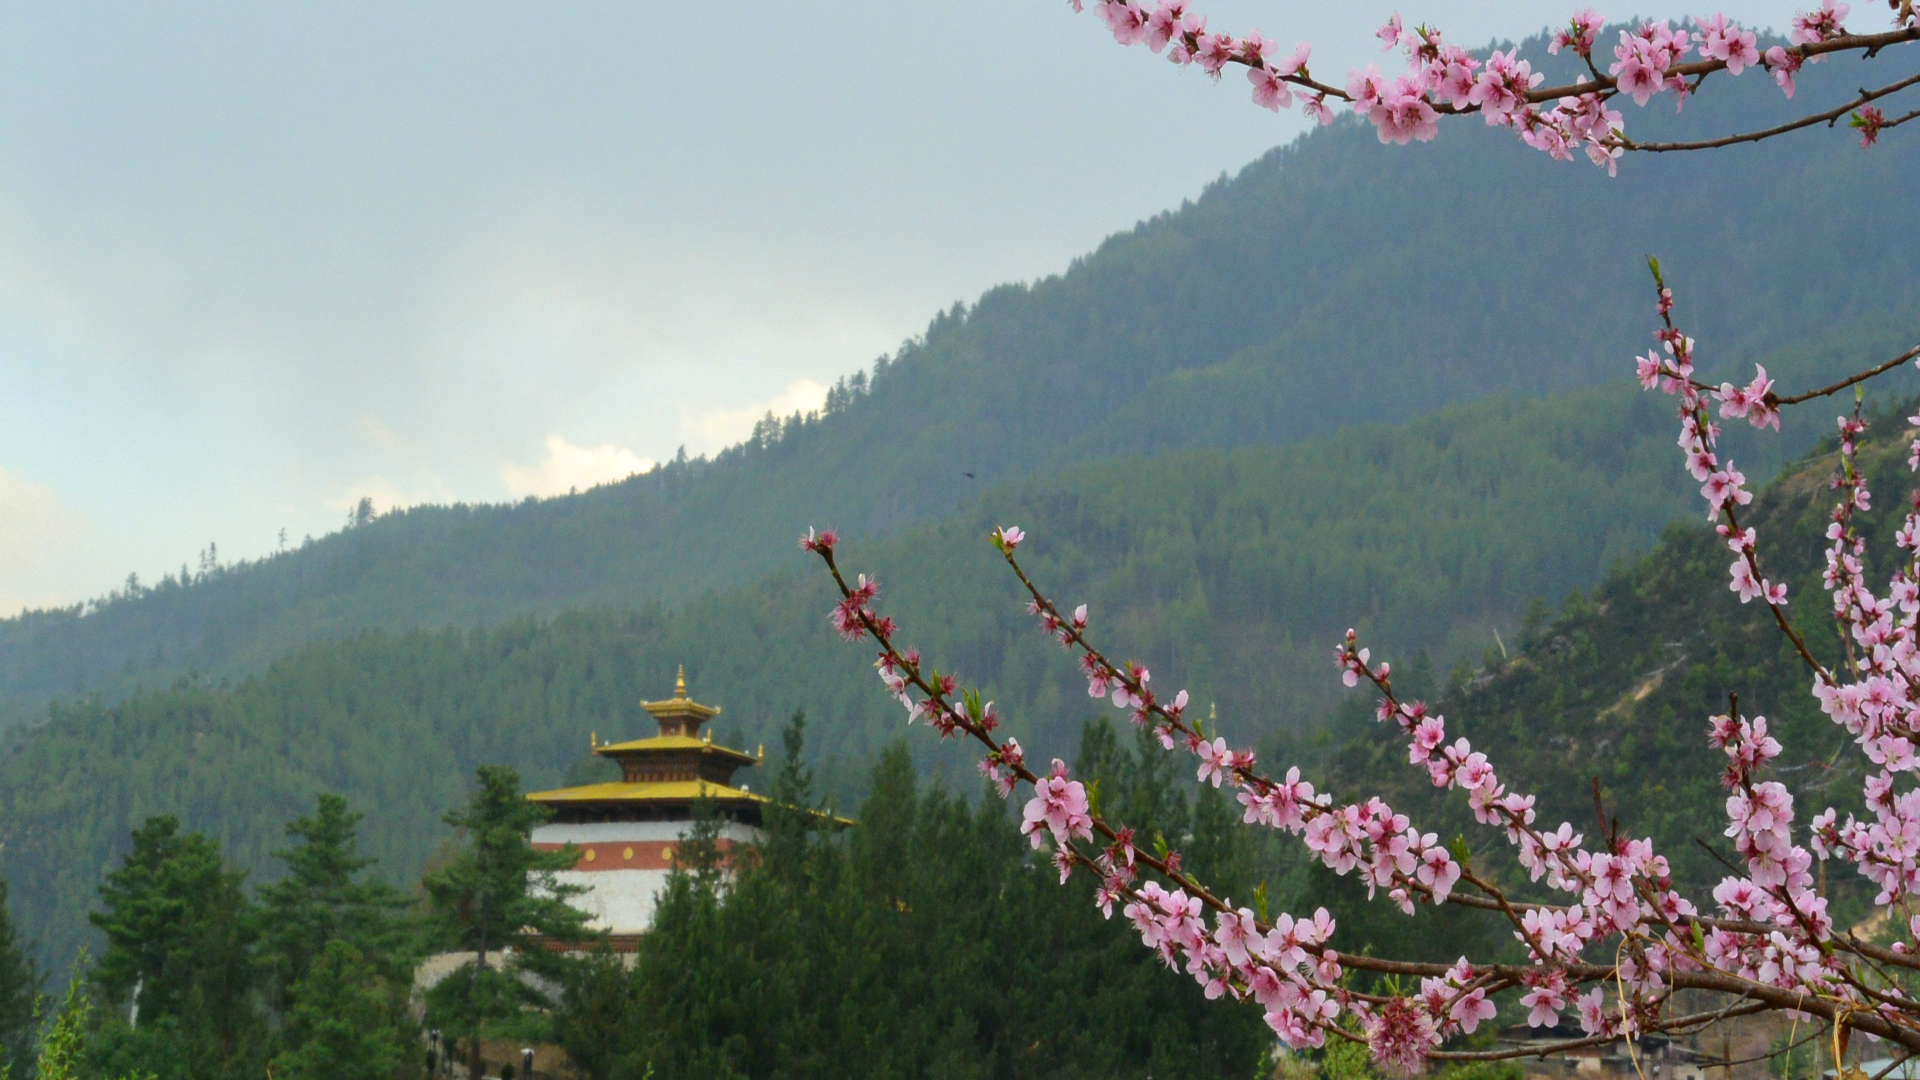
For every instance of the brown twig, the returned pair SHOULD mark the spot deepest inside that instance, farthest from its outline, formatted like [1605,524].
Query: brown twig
[1594,1040]
[1829,117]
[1774,401]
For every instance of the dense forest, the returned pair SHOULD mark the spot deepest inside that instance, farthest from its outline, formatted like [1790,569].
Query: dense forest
[1231,571]
[1251,563]
[1333,282]
[929,939]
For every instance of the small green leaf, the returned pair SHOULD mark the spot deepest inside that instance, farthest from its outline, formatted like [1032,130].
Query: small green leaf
[1093,796]
[1458,845]
[1260,901]
[1160,845]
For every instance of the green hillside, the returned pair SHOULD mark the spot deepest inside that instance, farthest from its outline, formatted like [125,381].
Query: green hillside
[1231,571]
[1332,282]
[1616,689]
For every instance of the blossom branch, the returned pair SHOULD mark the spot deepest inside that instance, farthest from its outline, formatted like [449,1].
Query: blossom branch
[1446,80]
[1851,380]
[1829,118]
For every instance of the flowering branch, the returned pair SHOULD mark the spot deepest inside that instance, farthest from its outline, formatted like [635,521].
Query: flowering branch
[1443,79]
[1829,118]
[1772,946]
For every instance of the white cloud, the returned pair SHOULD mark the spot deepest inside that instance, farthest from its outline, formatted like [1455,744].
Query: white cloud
[568,467]
[724,427]
[36,531]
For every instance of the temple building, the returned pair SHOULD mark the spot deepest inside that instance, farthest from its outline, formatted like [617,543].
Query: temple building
[627,830]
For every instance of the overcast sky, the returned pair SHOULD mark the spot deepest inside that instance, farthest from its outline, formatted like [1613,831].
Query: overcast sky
[257,261]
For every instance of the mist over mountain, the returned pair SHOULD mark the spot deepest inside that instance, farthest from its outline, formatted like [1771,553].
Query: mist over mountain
[1334,281]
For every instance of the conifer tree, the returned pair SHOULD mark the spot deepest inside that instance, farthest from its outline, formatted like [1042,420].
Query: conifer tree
[325,898]
[486,899]
[790,819]
[178,969]
[343,1023]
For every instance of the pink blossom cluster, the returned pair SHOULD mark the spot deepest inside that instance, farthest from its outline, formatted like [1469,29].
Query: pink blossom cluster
[1389,852]
[1651,58]
[1059,808]
[1874,695]
[1174,30]
[1622,893]
[1619,893]
[1786,936]
[1284,968]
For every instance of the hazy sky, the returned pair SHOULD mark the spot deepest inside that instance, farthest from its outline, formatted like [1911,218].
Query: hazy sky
[257,261]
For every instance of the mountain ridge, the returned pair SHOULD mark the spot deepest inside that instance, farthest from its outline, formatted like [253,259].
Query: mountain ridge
[1332,281]
[1232,572]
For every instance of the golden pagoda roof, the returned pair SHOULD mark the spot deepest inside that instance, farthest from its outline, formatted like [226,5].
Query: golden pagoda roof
[673,791]
[680,705]
[658,743]
[670,792]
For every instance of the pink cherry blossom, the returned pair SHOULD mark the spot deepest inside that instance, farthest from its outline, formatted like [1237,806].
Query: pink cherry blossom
[1059,805]
[1722,40]
[1402,114]
[1269,89]
[1164,24]
[1391,34]
[1783,66]
[1815,26]
[1215,761]
[1126,20]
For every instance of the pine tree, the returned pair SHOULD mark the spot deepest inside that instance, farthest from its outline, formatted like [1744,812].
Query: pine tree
[344,1023]
[325,898]
[487,898]
[791,823]
[19,998]
[178,968]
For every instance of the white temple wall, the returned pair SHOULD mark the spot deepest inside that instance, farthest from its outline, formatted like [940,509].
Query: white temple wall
[618,901]
[624,865]
[608,832]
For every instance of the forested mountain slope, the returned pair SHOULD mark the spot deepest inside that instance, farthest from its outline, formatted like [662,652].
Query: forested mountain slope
[1231,572]
[1616,690]
[1332,282]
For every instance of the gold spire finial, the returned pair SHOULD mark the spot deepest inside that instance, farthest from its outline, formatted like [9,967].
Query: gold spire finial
[680,715]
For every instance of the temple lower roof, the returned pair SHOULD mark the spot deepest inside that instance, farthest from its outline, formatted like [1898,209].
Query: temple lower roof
[673,791]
